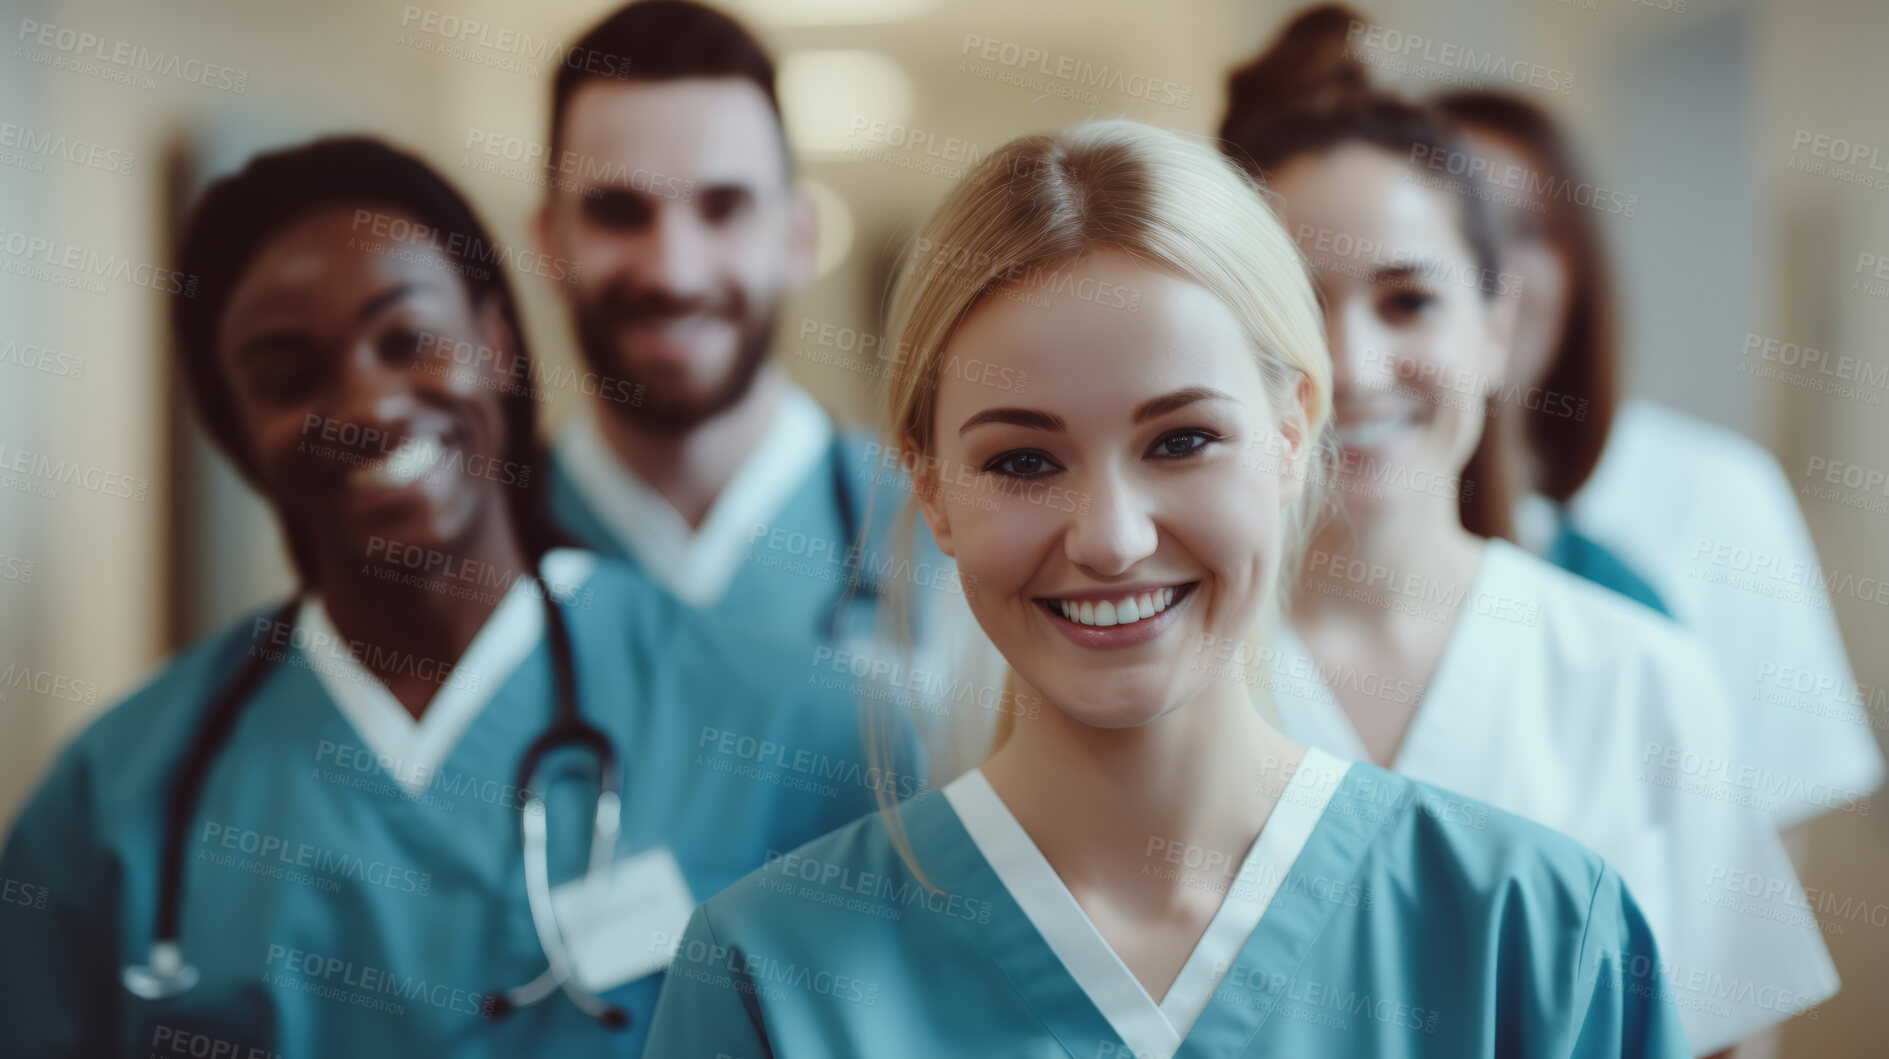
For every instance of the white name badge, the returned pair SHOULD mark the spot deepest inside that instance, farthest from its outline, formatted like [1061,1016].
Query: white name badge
[624,923]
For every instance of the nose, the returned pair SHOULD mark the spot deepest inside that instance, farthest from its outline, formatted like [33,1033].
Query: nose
[676,254]
[1362,355]
[373,394]
[1112,527]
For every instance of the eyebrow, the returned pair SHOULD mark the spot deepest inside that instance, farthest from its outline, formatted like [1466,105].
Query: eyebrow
[1422,268]
[1156,407]
[270,341]
[697,191]
[1033,418]
[289,338]
[382,300]
[1153,408]
[724,187]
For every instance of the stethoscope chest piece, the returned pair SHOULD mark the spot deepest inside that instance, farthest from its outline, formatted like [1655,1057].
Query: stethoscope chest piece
[166,976]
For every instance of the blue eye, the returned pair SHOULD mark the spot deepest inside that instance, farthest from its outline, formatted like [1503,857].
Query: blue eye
[1182,444]
[1024,464]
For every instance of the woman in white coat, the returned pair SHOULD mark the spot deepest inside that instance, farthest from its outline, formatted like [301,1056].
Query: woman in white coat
[1421,646]
[1704,515]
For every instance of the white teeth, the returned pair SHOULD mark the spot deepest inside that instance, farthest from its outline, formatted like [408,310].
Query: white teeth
[1372,432]
[1124,611]
[404,466]
[684,327]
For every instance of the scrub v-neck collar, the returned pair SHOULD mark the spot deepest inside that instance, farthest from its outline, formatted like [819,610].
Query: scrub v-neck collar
[696,565]
[1151,1029]
[409,750]
[1440,711]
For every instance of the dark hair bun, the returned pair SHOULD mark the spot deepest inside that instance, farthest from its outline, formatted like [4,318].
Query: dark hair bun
[1309,68]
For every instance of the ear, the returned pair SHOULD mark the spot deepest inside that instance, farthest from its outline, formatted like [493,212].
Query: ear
[803,237]
[931,505]
[1296,431]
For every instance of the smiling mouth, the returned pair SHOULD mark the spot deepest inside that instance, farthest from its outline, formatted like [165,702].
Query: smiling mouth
[1370,433]
[687,328]
[416,455]
[1128,610]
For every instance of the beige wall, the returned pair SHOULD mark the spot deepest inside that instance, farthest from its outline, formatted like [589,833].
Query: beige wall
[1821,68]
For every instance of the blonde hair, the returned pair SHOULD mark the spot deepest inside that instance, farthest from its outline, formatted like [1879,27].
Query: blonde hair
[1168,201]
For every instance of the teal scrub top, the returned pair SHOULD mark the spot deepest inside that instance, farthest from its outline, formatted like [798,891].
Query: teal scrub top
[793,579]
[333,913]
[1412,923]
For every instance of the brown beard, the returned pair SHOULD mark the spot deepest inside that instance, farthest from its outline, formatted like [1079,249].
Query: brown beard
[596,339]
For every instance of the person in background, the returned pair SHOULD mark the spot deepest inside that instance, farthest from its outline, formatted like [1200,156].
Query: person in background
[1672,495]
[1464,660]
[700,461]
[444,800]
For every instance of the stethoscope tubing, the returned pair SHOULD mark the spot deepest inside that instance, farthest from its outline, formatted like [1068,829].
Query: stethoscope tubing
[167,974]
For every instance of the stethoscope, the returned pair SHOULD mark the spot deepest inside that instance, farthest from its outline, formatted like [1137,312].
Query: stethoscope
[863,588]
[167,974]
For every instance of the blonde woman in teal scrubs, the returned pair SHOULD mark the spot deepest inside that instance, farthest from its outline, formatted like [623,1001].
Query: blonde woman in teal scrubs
[1147,868]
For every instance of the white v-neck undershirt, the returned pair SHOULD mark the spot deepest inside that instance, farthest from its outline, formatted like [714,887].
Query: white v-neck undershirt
[1314,715]
[410,751]
[698,564]
[1149,1028]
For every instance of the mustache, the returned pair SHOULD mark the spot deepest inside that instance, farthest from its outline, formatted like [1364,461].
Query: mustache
[626,305]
